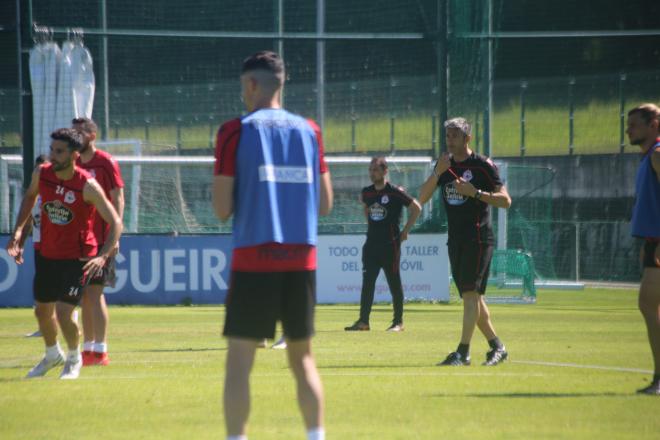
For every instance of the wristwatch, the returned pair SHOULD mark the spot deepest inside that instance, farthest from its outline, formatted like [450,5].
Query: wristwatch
[478,194]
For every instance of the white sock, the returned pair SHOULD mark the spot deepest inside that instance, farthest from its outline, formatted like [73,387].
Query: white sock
[316,434]
[74,355]
[88,346]
[101,347]
[237,437]
[74,316]
[53,351]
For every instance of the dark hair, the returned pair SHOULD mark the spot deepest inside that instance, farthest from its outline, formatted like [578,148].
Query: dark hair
[40,159]
[87,124]
[648,112]
[380,161]
[264,60]
[72,137]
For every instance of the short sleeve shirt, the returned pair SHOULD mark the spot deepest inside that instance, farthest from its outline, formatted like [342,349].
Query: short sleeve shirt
[105,169]
[383,208]
[469,218]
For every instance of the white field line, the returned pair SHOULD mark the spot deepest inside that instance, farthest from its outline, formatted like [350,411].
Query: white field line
[589,367]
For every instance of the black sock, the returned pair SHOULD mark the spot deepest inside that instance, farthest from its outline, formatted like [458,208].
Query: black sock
[495,343]
[656,378]
[464,350]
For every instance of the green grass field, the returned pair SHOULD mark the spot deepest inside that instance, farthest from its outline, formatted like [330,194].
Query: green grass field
[165,380]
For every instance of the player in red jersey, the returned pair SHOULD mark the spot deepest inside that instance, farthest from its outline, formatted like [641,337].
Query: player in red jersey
[105,170]
[68,255]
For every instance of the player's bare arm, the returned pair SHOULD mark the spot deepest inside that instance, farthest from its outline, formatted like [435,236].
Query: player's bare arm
[25,233]
[428,188]
[222,195]
[117,195]
[93,193]
[327,195]
[414,209]
[24,214]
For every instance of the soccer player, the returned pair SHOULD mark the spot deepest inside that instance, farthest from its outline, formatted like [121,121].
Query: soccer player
[644,131]
[271,175]
[68,250]
[470,184]
[383,204]
[105,170]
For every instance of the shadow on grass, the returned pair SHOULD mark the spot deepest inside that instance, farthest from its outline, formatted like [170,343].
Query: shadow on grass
[175,350]
[535,395]
[365,366]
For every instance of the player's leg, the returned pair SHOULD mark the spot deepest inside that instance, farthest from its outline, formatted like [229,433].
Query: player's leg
[45,314]
[251,311]
[95,307]
[240,358]
[88,327]
[649,306]
[71,273]
[297,314]
[393,276]
[308,382]
[462,258]
[484,322]
[45,295]
[370,269]
[471,303]
[497,352]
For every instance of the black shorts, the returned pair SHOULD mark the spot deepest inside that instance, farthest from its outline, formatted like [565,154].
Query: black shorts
[386,257]
[470,265]
[257,300]
[649,254]
[57,280]
[108,277]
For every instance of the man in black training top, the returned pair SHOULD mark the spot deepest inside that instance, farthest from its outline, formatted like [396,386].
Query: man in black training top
[383,203]
[470,183]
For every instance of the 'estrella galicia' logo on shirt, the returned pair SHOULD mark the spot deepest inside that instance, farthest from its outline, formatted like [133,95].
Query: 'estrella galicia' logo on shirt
[384,199]
[285,174]
[467,175]
[69,197]
[377,212]
[57,213]
[452,196]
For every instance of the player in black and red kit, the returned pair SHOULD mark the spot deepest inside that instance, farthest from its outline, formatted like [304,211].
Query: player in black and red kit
[470,184]
[383,204]
[68,254]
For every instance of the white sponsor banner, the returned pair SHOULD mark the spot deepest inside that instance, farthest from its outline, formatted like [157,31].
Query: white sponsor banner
[424,269]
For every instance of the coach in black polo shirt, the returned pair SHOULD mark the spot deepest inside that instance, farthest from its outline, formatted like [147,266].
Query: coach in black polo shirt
[383,204]
[470,184]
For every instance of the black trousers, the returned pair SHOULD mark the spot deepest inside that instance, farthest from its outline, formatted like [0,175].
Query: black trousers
[375,258]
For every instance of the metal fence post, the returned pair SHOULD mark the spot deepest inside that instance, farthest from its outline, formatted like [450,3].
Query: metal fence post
[577,251]
[622,112]
[571,115]
[434,139]
[147,119]
[353,90]
[393,84]
[523,88]
[179,119]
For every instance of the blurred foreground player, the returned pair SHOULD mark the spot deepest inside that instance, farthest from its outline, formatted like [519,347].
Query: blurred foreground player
[644,131]
[271,175]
